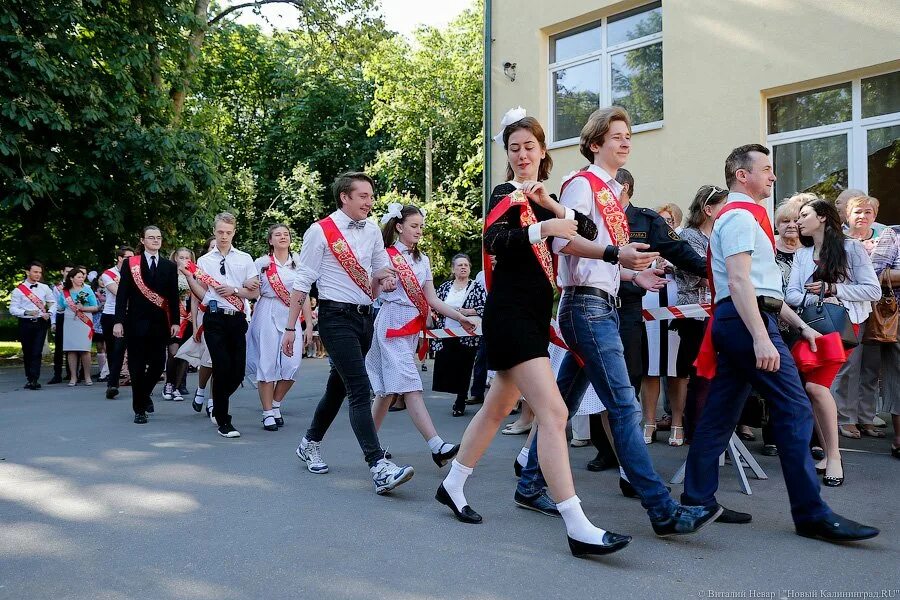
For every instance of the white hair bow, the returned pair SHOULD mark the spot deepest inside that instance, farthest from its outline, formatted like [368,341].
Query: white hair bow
[511,116]
[393,211]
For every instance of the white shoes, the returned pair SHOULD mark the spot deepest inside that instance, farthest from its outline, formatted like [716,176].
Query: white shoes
[311,453]
[386,475]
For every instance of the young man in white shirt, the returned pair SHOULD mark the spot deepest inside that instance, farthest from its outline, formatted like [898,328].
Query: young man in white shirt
[231,279]
[344,255]
[33,303]
[115,347]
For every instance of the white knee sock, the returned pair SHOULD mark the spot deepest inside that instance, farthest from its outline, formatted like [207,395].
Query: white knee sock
[455,481]
[577,524]
[436,444]
[522,458]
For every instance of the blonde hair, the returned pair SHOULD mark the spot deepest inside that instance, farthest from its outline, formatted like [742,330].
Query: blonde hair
[224,217]
[674,210]
[790,208]
[598,125]
[858,201]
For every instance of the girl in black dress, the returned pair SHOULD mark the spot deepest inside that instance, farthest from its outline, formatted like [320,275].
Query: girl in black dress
[516,331]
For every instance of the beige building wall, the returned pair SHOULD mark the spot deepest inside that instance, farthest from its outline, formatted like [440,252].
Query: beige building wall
[721,60]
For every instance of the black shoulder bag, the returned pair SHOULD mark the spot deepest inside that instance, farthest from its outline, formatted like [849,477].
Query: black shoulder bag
[826,317]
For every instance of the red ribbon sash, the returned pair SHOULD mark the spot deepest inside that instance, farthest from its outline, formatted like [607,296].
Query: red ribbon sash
[208,280]
[82,316]
[134,266]
[26,291]
[707,357]
[342,251]
[184,314]
[414,290]
[527,218]
[278,285]
[608,206]
[112,275]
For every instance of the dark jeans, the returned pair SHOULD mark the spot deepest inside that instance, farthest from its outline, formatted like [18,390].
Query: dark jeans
[146,360]
[479,372]
[791,414]
[115,350]
[226,338]
[347,336]
[59,357]
[32,333]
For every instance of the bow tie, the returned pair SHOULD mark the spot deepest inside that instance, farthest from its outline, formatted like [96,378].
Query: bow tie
[33,285]
[356,225]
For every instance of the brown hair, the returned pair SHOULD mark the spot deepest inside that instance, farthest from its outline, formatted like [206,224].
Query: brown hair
[174,254]
[67,282]
[598,125]
[740,159]
[272,229]
[534,126]
[389,230]
[707,195]
[343,184]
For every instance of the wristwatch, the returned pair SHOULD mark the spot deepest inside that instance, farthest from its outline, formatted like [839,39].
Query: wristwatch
[290,329]
[236,291]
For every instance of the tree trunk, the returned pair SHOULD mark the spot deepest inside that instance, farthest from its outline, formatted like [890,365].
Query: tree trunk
[195,42]
[429,146]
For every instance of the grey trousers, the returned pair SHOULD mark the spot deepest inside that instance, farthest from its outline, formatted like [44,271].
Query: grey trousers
[855,387]
[890,364]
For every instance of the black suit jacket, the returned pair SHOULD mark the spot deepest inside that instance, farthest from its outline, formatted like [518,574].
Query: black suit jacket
[138,315]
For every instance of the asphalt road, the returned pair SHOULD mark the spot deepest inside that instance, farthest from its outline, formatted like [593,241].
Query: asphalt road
[93,506]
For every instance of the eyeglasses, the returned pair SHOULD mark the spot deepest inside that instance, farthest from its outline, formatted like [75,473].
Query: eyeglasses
[222,266]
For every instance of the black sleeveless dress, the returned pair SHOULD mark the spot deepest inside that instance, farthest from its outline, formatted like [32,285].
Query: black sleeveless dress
[519,306]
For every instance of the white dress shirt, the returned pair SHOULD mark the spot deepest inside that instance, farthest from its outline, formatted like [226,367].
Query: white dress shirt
[421,269]
[286,273]
[318,264]
[19,304]
[109,308]
[592,272]
[239,267]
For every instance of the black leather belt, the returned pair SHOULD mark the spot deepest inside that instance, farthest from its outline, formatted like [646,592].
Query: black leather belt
[592,291]
[363,309]
[766,304]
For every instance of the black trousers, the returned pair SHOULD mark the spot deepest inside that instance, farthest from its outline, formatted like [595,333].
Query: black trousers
[32,333]
[347,336]
[226,338]
[59,357]
[146,361]
[115,350]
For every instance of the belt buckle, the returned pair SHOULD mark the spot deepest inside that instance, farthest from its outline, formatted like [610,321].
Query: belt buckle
[363,309]
[617,302]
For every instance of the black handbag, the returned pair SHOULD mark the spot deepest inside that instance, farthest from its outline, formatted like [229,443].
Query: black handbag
[826,317]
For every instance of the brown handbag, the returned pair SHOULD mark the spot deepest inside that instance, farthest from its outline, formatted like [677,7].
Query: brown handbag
[881,326]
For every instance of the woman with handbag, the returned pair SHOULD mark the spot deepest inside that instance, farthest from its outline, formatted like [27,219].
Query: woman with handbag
[829,269]
[886,261]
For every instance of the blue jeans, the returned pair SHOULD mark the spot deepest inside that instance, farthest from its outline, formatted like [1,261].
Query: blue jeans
[790,414]
[590,327]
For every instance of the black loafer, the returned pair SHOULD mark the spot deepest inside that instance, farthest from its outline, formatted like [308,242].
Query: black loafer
[150,408]
[279,421]
[733,516]
[817,453]
[686,520]
[111,393]
[140,419]
[612,542]
[442,458]
[540,503]
[601,463]
[832,481]
[466,514]
[769,450]
[836,529]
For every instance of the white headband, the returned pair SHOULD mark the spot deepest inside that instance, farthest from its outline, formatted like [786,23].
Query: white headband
[393,211]
[511,116]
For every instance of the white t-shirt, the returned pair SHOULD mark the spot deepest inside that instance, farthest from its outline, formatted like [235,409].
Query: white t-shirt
[109,308]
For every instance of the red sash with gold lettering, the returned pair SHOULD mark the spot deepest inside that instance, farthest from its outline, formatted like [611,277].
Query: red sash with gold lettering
[707,358]
[278,286]
[134,266]
[26,291]
[526,218]
[112,275]
[82,316]
[208,280]
[414,290]
[344,255]
[184,314]
[608,206]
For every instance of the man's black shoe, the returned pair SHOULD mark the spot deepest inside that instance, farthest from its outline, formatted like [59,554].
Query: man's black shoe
[28,385]
[150,408]
[686,520]
[769,450]
[35,385]
[140,418]
[111,392]
[55,379]
[601,463]
[836,529]
[538,503]
[733,516]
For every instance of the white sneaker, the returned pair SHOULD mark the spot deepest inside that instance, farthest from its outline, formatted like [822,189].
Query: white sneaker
[311,453]
[167,391]
[209,411]
[176,395]
[578,443]
[386,475]
[878,422]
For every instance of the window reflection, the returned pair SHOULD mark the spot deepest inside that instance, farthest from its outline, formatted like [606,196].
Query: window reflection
[883,147]
[576,96]
[635,24]
[637,83]
[576,44]
[818,166]
[823,106]
[881,95]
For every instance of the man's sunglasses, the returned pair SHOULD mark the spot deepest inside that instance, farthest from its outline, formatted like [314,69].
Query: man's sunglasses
[222,266]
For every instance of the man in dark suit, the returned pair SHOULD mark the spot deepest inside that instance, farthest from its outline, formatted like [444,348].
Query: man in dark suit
[147,315]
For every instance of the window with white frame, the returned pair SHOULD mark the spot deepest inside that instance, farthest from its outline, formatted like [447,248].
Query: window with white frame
[617,60]
[842,136]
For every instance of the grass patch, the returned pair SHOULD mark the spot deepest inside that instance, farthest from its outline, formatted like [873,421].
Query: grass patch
[10,350]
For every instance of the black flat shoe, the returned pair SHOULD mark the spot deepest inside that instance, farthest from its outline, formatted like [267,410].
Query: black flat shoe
[458,412]
[733,516]
[601,463]
[817,453]
[517,468]
[466,515]
[111,393]
[769,450]
[612,542]
[895,452]
[279,421]
[272,427]
[747,436]
[442,458]
[833,481]
[140,419]
[836,529]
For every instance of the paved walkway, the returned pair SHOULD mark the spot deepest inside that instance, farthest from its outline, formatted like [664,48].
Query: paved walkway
[95,507]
